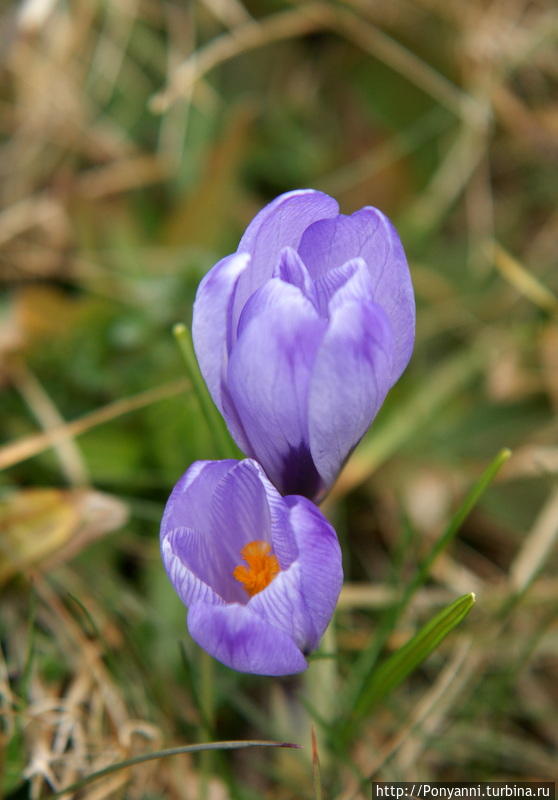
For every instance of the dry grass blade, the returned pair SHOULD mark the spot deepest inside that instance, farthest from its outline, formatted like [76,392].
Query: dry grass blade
[433,709]
[182,34]
[531,460]
[33,445]
[537,546]
[317,778]
[521,279]
[129,173]
[428,713]
[303,20]
[229,12]
[34,13]
[451,178]
[414,69]
[49,418]
[109,57]
[369,595]
[248,36]
[38,211]
[7,700]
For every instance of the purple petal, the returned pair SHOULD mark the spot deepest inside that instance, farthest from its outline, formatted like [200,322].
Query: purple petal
[280,224]
[268,380]
[291,269]
[283,540]
[212,321]
[238,512]
[301,600]
[234,503]
[319,559]
[242,640]
[189,500]
[282,605]
[368,234]
[207,559]
[352,374]
[176,547]
[350,281]
[213,512]
[192,550]
[329,243]
[233,420]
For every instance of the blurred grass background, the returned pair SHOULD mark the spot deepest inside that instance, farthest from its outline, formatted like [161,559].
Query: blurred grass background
[138,138]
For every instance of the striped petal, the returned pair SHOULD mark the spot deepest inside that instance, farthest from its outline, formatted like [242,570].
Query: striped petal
[351,377]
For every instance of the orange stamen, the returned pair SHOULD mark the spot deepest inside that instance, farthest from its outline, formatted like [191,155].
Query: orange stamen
[262,567]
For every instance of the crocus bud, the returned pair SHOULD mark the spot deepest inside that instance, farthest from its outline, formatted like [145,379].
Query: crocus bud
[259,573]
[301,333]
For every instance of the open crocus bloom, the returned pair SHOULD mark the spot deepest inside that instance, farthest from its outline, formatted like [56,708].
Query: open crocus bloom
[301,333]
[259,573]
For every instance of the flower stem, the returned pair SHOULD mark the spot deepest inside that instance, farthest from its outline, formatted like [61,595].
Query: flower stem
[224,445]
[207,704]
[207,674]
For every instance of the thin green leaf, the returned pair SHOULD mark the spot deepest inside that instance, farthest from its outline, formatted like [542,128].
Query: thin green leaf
[92,629]
[455,524]
[394,671]
[224,445]
[171,751]
[191,679]
[207,702]
[365,665]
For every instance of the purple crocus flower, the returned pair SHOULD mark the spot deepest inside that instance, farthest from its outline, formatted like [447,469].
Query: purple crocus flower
[260,573]
[301,333]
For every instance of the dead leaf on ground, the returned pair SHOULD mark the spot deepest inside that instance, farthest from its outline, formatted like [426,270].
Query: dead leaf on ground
[40,528]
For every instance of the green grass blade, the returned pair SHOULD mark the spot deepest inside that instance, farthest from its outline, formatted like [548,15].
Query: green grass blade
[367,661]
[90,628]
[171,751]
[223,443]
[394,671]
[455,524]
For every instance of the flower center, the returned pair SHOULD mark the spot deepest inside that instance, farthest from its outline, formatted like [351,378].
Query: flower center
[262,567]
